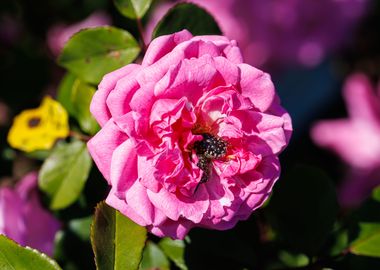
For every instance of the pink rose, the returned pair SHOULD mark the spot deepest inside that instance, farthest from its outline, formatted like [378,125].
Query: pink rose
[23,219]
[59,34]
[356,139]
[192,112]
[282,32]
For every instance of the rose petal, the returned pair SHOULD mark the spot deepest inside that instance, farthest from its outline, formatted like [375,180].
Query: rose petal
[121,205]
[118,100]
[162,45]
[239,162]
[98,107]
[220,197]
[270,169]
[137,200]
[146,171]
[175,229]
[194,74]
[262,179]
[123,163]
[277,110]
[143,100]
[230,49]
[134,125]
[173,110]
[220,102]
[257,86]
[102,145]
[266,135]
[175,206]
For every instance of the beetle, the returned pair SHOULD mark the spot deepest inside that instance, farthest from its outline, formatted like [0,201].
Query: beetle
[208,149]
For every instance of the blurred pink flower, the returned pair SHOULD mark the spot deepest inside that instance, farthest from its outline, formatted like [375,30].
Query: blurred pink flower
[356,139]
[4,114]
[190,137]
[10,30]
[23,219]
[59,34]
[282,32]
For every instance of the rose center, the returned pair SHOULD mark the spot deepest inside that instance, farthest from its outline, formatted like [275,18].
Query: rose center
[210,147]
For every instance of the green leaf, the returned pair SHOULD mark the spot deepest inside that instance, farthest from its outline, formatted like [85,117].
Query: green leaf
[76,95]
[303,209]
[92,53]
[81,227]
[117,241]
[81,96]
[187,16]
[64,92]
[175,250]
[133,9]
[368,241]
[16,257]
[39,154]
[340,241]
[154,258]
[64,173]
[293,260]
[376,194]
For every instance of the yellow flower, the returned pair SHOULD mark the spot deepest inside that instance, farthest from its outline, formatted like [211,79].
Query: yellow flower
[39,129]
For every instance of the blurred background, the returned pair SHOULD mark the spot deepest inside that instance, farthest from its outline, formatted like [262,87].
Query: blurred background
[314,50]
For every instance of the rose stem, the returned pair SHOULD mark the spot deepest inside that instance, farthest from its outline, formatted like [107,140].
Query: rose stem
[79,136]
[141,32]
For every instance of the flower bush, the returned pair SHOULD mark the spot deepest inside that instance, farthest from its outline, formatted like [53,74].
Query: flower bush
[355,139]
[23,218]
[307,30]
[187,135]
[153,115]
